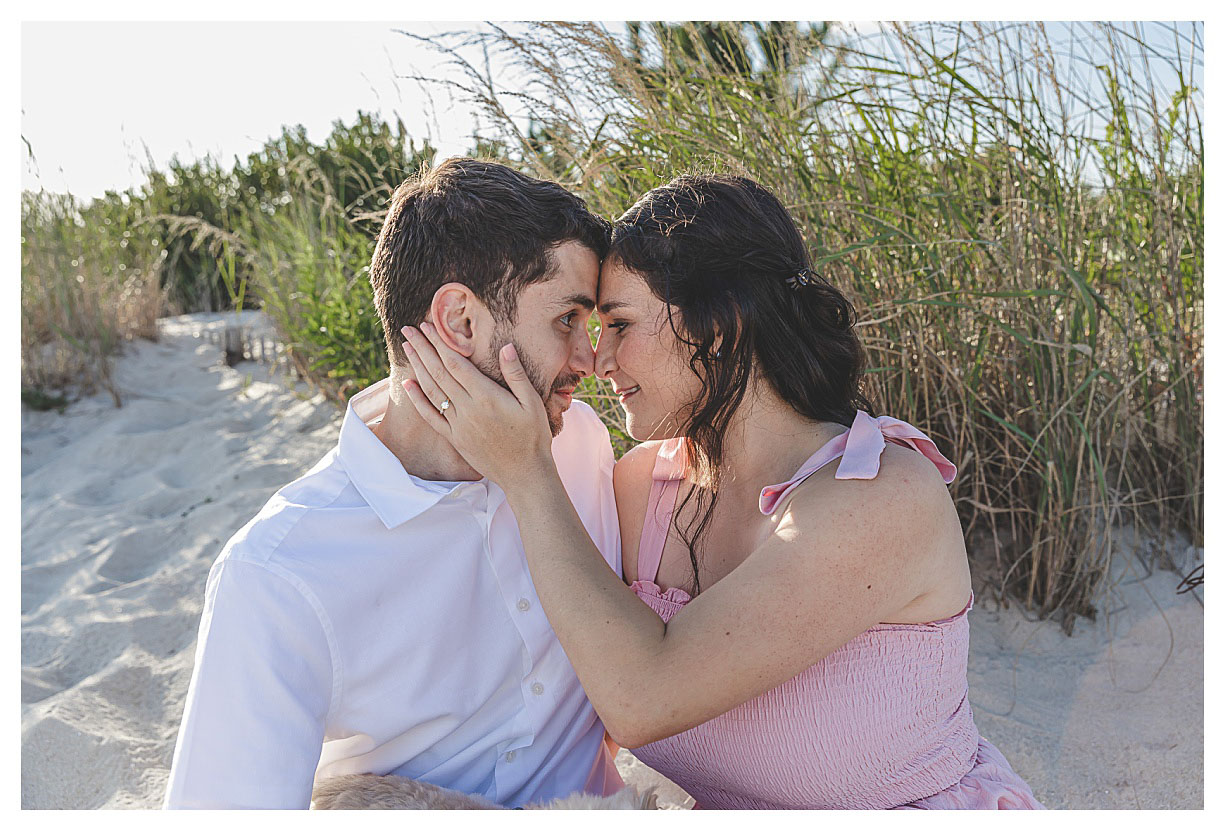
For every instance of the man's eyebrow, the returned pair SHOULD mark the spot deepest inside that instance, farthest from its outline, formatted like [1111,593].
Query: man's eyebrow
[577,300]
[611,305]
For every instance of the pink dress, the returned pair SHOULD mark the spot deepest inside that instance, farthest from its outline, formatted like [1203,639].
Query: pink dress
[882,722]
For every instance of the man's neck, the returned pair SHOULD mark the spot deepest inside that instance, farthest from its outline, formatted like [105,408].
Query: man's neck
[420,449]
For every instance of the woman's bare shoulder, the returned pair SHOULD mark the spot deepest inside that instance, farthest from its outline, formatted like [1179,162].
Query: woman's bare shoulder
[900,510]
[636,465]
[900,525]
[905,478]
[908,469]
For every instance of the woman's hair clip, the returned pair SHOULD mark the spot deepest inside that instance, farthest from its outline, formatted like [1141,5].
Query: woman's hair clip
[803,277]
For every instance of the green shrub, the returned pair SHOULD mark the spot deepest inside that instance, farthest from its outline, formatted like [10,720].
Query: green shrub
[303,255]
[311,262]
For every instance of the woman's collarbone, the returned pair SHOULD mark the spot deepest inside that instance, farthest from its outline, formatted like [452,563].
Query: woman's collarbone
[723,547]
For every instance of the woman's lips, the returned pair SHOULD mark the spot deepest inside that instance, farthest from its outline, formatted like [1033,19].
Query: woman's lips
[624,394]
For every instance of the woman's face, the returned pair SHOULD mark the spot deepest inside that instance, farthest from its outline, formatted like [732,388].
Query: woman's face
[638,352]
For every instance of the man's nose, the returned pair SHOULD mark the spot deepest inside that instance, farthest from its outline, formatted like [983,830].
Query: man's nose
[582,356]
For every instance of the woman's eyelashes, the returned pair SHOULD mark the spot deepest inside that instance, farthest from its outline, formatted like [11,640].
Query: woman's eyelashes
[617,325]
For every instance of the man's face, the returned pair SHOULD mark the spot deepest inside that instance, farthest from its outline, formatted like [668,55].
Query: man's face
[550,331]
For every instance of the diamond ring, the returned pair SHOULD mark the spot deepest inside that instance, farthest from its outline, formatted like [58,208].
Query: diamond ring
[445,405]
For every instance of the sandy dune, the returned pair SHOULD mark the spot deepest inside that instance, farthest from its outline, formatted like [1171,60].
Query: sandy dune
[123,511]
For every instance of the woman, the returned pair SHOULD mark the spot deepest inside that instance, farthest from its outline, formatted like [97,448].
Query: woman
[796,633]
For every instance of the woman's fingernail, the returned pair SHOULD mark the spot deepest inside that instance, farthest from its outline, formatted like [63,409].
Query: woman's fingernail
[404,330]
[509,353]
[426,327]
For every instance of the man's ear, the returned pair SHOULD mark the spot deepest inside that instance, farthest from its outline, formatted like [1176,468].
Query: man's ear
[458,316]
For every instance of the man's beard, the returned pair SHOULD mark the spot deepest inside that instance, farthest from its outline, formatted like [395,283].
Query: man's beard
[493,369]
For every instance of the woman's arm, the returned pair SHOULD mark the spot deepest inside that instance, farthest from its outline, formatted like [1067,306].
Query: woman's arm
[841,559]
[833,568]
[611,637]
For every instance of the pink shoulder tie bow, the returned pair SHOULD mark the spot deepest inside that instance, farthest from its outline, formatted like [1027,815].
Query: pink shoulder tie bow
[860,447]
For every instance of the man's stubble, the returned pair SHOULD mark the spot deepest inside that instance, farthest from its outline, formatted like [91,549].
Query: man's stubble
[501,336]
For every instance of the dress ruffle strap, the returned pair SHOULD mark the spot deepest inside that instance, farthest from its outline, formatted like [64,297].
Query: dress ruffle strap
[860,448]
[671,459]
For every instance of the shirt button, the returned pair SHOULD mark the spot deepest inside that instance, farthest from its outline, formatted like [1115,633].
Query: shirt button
[510,757]
[537,688]
[524,604]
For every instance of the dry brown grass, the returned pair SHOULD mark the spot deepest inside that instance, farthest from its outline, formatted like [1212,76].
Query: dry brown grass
[78,306]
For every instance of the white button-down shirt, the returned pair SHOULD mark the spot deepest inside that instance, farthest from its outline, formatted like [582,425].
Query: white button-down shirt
[367,621]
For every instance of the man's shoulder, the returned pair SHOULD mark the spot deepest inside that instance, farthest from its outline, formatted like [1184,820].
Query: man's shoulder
[263,539]
[580,415]
[583,428]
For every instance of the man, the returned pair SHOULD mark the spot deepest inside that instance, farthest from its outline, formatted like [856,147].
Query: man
[377,615]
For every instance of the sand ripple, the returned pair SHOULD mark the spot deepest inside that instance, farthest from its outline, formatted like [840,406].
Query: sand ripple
[123,511]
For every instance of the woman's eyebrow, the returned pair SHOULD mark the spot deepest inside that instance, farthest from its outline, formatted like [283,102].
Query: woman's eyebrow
[611,305]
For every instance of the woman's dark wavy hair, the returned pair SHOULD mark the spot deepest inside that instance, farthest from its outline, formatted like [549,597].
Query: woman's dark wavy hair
[719,250]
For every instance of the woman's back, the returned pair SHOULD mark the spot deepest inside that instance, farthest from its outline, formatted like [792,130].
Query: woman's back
[881,722]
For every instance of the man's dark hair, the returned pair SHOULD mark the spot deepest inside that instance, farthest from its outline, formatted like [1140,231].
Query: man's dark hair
[478,223]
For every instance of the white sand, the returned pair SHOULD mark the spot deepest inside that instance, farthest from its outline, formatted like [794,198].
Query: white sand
[123,511]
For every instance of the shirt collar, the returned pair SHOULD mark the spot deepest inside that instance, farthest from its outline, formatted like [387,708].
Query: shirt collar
[395,494]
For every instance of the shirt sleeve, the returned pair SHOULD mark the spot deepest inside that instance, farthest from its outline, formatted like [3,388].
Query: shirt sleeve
[259,696]
[607,461]
[600,443]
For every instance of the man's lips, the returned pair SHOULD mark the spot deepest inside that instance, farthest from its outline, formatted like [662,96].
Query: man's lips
[565,395]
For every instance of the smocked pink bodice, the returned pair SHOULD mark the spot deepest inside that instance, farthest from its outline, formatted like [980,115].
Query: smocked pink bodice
[882,722]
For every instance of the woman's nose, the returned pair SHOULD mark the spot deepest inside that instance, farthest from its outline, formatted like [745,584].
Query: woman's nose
[605,357]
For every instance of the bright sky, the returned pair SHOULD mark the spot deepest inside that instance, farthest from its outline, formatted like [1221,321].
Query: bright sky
[94,96]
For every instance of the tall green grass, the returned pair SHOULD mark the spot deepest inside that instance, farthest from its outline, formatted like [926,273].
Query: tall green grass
[1021,232]
[1045,328]
[309,262]
[305,257]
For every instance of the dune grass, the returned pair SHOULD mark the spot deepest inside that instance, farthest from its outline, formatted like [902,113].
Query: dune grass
[1019,223]
[1021,232]
[89,282]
